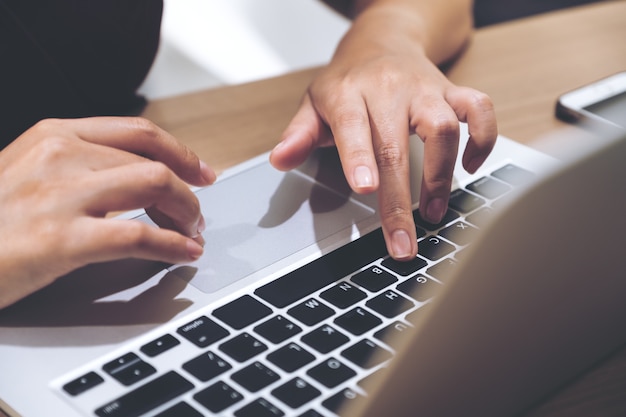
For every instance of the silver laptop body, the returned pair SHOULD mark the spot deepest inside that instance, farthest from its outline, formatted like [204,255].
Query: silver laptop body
[534,300]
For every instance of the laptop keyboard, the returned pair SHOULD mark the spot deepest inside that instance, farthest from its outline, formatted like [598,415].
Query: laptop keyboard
[307,343]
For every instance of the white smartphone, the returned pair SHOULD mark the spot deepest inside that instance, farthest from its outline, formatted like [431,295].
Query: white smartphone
[603,101]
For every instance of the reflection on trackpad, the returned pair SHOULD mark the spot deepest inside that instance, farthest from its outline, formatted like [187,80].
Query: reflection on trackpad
[260,216]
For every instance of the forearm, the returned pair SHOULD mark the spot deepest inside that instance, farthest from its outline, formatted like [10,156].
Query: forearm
[439,28]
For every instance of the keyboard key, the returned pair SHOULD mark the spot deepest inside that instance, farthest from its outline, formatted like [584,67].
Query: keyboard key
[243,347]
[342,400]
[434,248]
[370,382]
[419,288]
[311,312]
[324,271]
[310,413]
[259,408]
[278,329]
[296,392]
[481,216]
[489,187]
[120,363]
[343,295]
[182,409]
[447,218]
[241,312]
[203,331]
[128,369]
[255,377]
[147,397]
[390,304]
[374,279]
[404,268]
[82,384]
[443,269]
[325,338]
[460,233]
[513,175]
[290,357]
[366,354]
[331,372]
[460,254]
[393,334]
[160,345]
[206,366]
[461,200]
[358,321]
[504,201]
[218,397]
[416,316]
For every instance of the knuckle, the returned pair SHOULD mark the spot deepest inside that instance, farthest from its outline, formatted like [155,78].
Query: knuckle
[191,211]
[389,155]
[395,211]
[439,182]
[359,154]
[135,236]
[53,148]
[47,125]
[444,127]
[158,176]
[144,127]
[188,155]
[349,118]
[389,77]
[142,123]
[481,101]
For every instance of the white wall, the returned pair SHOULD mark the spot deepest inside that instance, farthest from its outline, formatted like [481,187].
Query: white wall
[205,43]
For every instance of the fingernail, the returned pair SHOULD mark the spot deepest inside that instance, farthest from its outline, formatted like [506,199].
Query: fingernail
[207,173]
[199,228]
[194,250]
[201,225]
[284,141]
[401,244]
[280,144]
[199,240]
[363,177]
[435,210]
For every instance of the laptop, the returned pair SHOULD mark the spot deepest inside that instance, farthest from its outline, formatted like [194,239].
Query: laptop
[296,309]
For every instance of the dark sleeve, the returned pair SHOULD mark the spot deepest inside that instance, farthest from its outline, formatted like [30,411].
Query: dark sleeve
[487,12]
[73,58]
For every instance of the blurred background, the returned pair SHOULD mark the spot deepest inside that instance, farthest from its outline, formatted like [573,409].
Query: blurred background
[207,43]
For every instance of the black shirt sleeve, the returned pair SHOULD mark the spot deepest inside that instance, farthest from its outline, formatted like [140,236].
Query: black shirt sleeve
[73,58]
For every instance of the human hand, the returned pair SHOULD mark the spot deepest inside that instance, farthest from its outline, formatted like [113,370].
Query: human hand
[367,102]
[61,178]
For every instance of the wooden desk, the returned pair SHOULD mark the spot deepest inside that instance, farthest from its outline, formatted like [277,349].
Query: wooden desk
[523,65]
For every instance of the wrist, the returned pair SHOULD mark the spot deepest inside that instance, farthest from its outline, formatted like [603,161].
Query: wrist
[435,29]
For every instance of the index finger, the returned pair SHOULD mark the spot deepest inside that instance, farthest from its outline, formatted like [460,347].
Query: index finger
[142,137]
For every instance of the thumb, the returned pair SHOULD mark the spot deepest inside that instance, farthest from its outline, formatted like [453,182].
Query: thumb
[305,133]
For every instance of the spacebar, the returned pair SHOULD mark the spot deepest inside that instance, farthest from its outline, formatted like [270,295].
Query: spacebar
[323,271]
[146,397]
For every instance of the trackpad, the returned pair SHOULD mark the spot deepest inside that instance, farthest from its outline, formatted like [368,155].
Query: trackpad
[262,215]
